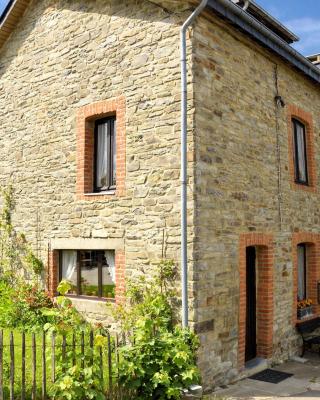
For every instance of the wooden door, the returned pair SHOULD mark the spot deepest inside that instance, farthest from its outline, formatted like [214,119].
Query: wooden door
[251,317]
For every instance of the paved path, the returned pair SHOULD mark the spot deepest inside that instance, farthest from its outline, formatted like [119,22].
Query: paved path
[304,383]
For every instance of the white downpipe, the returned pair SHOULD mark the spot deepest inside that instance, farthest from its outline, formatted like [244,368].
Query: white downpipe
[184,255]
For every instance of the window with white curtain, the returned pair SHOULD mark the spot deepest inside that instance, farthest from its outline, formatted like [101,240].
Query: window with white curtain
[300,152]
[105,154]
[90,272]
[302,272]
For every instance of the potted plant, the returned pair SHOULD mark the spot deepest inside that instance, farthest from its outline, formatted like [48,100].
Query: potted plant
[304,308]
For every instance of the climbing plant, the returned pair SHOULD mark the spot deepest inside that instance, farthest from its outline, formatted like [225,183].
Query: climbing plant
[17,259]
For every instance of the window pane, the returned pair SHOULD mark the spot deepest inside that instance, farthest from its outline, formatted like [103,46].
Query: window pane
[114,152]
[101,157]
[301,153]
[302,272]
[108,275]
[69,268]
[89,261]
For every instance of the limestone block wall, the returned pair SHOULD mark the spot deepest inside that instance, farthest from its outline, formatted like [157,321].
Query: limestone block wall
[63,56]
[244,186]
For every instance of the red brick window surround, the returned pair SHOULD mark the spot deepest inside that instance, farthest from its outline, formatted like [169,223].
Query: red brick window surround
[312,242]
[53,274]
[296,113]
[264,307]
[86,118]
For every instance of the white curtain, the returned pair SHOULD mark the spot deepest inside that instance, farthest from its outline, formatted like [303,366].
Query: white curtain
[69,265]
[109,255]
[301,273]
[301,152]
[102,162]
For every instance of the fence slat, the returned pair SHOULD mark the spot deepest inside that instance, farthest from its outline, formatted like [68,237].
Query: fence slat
[101,362]
[91,345]
[23,366]
[44,367]
[82,349]
[64,346]
[73,349]
[117,353]
[109,361]
[1,365]
[11,366]
[34,367]
[53,358]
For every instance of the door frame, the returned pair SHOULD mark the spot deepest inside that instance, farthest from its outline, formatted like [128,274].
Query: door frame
[265,298]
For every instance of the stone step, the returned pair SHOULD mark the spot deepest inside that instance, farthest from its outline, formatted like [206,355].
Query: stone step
[253,367]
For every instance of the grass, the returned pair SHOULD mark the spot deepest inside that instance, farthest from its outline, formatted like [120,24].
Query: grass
[18,363]
[28,361]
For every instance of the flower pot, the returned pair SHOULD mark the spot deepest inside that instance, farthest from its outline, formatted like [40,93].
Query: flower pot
[305,312]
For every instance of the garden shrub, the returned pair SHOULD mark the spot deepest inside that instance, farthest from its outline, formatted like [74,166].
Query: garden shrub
[159,360]
[78,375]
[21,307]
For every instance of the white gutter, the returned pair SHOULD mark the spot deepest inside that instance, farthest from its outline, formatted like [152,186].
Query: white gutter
[184,177]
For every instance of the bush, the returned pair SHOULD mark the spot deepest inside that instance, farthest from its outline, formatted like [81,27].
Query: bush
[22,307]
[78,374]
[159,360]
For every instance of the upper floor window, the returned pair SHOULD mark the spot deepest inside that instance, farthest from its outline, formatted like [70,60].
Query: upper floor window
[105,154]
[300,152]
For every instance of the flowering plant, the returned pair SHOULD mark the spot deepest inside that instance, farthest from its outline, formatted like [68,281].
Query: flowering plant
[304,303]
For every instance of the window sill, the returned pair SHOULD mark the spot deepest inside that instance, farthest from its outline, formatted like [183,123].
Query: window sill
[301,321]
[92,298]
[105,193]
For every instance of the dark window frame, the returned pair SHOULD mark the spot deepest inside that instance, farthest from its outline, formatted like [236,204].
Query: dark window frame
[111,140]
[298,180]
[304,246]
[79,289]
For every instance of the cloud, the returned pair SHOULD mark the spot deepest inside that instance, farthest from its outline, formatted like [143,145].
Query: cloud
[308,29]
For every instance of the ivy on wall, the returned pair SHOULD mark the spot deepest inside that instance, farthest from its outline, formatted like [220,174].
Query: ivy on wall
[17,259]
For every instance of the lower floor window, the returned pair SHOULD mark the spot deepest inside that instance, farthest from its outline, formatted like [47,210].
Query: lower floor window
[302,272]
[90,272]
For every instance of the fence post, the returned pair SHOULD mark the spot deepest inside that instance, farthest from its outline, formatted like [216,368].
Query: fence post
[34,367]
[73,349]
[11,366]
[109,361]
[1,365]
[101,362]
[53,358]
[23,366]
[82,349]
[64,346]
[91,345]
[44,369]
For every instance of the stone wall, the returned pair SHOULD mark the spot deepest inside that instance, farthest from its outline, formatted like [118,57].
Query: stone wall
[65,55]
[62,56]
[244,185]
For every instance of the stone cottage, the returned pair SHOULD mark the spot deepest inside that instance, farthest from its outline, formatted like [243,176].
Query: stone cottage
[90,140]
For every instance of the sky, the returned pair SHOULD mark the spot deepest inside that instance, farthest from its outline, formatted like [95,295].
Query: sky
[300,16]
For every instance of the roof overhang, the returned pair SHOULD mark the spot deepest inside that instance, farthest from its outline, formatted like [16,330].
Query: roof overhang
[252,27]
[10,17]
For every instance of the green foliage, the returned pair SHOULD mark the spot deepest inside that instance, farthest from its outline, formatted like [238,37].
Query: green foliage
[17,260]
[159,360]
[21,306]
[73,382]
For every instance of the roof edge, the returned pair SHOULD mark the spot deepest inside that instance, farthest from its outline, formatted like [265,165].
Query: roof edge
[267,38]
[10,17]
